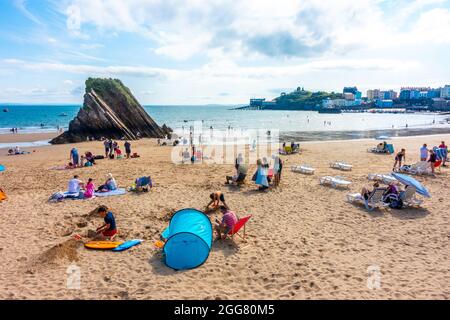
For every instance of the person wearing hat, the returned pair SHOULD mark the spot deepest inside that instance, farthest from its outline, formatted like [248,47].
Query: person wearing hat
[109,185]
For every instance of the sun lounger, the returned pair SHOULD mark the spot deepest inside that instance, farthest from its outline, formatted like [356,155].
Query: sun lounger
[335,182]
[383,178]
[341,165]
[305,169]
[374,201]
[409,197]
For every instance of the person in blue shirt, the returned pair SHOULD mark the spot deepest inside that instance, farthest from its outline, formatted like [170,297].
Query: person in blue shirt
[109,229]
[74,157]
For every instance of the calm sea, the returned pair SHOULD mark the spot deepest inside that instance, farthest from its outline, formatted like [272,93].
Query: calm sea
[42,118]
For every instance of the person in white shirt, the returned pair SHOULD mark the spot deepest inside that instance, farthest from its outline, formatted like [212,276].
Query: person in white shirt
[75,185]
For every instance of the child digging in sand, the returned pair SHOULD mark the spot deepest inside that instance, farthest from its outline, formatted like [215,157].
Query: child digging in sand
[109,229]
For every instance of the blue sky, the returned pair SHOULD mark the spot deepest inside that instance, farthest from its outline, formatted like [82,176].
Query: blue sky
[219,51]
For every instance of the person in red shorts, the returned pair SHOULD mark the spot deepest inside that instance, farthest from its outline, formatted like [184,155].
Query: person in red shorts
[109,229]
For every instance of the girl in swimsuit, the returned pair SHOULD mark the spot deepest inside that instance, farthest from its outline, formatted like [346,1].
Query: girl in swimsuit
[398,159]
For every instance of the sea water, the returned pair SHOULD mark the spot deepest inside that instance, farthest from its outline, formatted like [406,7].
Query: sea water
[46,118]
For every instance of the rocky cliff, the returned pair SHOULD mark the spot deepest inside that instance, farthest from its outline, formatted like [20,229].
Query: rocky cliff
[110,111]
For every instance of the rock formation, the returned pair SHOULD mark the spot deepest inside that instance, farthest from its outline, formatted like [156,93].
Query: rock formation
[110,111]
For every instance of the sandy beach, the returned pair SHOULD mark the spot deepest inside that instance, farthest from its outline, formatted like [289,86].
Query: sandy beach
[303,242]
[26,137]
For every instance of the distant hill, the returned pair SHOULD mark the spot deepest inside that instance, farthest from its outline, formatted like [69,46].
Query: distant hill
[304,100]
[301,99]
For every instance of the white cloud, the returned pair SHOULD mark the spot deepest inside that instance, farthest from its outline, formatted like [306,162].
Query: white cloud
[21,5]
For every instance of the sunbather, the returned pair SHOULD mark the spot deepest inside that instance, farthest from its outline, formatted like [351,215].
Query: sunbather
[216,198]
[109,185]
[224,227]
[109,229]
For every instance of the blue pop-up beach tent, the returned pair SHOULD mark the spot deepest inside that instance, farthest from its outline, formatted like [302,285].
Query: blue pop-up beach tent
[2,168]
[188,239]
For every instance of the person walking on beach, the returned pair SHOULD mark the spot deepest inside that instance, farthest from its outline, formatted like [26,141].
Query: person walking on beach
[106,144]
[399,158]
[424,152]
[432,160]
[127,146]
[445,148]
[74,157]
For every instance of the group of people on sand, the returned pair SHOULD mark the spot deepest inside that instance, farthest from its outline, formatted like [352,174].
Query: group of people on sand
[426,154]
[262,176]
[88,189]
[15,151]
[229,219]
[112,149]
[392,194]
[86,160]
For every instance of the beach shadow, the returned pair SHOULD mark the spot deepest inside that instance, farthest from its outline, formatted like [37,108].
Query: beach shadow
[377,213]
[227,246]
[158,265]
[410,213]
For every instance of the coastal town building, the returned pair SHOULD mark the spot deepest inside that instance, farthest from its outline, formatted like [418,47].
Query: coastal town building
[445,92]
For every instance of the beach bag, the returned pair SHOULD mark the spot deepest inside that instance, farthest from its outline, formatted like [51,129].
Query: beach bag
[99,157]
[396,204]
[111,156]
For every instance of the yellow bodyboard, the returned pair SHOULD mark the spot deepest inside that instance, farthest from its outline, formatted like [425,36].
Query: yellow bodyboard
[102,245]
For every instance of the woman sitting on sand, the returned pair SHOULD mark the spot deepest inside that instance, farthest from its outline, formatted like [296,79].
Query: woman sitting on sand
[110,184]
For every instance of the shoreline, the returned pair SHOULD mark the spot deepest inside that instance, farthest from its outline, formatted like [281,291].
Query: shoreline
[34,140]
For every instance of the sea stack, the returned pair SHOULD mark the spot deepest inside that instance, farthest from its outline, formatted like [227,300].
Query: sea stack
[110,111]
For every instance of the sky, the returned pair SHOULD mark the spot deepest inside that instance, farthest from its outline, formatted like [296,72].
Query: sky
[219,51]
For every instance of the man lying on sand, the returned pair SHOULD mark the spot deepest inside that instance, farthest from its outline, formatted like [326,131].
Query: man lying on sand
[224,227]
[109,229]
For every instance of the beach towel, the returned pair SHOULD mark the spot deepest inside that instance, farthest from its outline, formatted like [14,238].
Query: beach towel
[441,153]
[117,192]
[60,196]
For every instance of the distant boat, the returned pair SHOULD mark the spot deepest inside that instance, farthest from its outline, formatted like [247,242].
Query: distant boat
[63,114]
